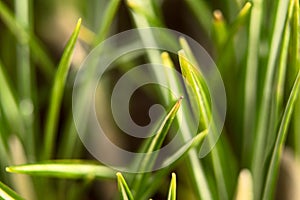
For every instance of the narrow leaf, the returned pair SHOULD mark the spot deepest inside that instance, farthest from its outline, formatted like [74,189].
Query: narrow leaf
[280,79]
[189,73]
[172,188]
[196,81]
[172,162]
[295,63]
[195,142]
[72,169]
[280,141]
[160,136]
[107,19]
[220,29]
[240,19]
[154,144]
[245,186]
[124,190]
[196,172]
[262,131]
[57,92]
[250,90]
[8,194]
[173,81]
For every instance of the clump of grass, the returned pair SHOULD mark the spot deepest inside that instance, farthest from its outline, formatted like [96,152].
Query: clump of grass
[256,48]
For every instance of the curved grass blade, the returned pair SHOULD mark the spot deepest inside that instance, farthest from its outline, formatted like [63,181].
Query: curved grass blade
[196,83]
[226,49]
[240,20]
[280,80]
[195,169]
[196,80]
[280,140]
[57,92]
[172,189]
[172,81]
[154,144]
[262,131]
[172,162]
[8,194]
[124,190]
[22,35]
[71,169]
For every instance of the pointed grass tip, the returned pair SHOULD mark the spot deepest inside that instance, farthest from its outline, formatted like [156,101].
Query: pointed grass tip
[218,15]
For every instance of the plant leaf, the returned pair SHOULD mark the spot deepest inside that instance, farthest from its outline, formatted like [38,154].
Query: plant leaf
[8,194]
[196,171]
[245,186]
[262,131]
[172,188]
[154,144]
[295,63]
[109,14]
[57,92]
[250,90]
[196,81]
[172,162]
[125,193]
[194,142]
[280,140]
[71,169]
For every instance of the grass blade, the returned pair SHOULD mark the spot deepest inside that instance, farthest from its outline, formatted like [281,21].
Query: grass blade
[171,163]
[196,81]
[226,49]
[154,144]
[250,91]
[108,17]
[125,193]
[71,169]
[195,142]
[172,188]
[264,110]
[57,93]
[280,79]
[245,186]
[280,140]
[8,194]
[195,169]
[220,29]
[240,20]
[295,45]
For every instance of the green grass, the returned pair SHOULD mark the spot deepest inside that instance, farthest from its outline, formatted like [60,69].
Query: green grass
[255,46]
